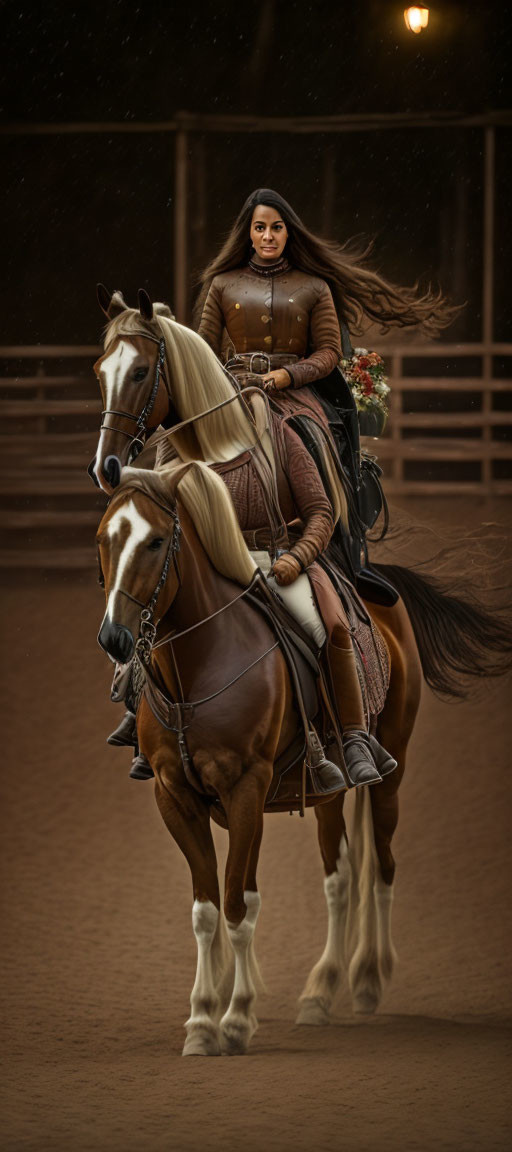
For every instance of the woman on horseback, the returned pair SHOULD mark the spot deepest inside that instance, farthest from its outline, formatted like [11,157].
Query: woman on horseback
[281,505]
[271,306]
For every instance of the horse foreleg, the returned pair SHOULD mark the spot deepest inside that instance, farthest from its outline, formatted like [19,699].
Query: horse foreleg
[385,820]
[373,955]
[187,819]
[376,818]
[323,981]
[242,903]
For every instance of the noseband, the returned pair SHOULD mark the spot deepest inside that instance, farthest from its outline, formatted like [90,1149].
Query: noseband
[141,420]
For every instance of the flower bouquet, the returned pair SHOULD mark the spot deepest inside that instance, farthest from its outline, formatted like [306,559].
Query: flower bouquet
[364,372]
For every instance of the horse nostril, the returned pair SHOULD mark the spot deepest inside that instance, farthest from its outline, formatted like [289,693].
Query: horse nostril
[112,470]
[116,640]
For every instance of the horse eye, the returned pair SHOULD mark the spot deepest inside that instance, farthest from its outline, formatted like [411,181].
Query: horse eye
[140,374]
[156,543]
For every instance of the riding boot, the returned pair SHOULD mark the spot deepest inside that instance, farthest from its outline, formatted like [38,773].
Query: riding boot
[141,768]
[325,776]
[125,733]
[358,747]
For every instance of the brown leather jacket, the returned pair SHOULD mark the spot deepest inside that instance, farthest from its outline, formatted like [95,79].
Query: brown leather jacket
[276,310]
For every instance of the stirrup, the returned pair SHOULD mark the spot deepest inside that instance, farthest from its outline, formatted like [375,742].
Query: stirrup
[359,762]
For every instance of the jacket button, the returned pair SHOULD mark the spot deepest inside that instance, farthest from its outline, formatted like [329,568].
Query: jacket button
[265,319]
[299,317]
[267,339]
[290,299]
[237,305]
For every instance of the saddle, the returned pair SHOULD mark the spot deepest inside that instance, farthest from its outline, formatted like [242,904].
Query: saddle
[292,782]
[293,785]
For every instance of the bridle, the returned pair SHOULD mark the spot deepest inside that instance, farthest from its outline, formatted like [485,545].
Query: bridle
[147,627]
[141,420]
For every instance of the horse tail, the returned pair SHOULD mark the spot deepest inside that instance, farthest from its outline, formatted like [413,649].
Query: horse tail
[458,639]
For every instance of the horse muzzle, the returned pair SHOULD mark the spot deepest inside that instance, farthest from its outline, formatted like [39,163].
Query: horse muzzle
[105,474]
[116,640]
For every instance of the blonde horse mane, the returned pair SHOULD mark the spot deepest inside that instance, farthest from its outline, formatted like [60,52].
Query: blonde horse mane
[198,383]
[208,503]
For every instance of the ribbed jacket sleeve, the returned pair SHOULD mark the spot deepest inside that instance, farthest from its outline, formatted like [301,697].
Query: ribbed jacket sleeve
[212,322]
[325,341]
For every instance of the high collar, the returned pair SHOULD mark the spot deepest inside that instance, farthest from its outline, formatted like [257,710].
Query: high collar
[281,265]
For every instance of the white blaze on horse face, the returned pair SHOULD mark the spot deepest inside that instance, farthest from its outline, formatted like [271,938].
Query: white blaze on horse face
[114,370]
[139,530]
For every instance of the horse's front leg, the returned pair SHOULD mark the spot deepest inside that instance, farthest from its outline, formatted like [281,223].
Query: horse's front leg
[323,981]
[187,819]
[242,904]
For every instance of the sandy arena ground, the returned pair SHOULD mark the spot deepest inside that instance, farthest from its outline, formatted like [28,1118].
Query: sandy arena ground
[99,954]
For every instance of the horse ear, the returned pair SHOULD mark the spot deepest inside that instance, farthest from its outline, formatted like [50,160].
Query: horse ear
[145,305]
[103,297]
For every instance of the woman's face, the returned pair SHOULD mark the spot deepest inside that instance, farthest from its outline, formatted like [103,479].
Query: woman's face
[268,232]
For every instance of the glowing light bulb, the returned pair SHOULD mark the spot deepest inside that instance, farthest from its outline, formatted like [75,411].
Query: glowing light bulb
[416,18]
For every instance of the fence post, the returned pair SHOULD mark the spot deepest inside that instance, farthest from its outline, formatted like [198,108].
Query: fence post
[180,303]
[488,303]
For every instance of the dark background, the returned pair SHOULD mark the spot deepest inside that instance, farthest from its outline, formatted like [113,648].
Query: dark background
[80,208]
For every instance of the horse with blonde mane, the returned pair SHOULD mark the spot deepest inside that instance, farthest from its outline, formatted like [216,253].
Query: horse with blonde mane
[154,372]
[219,682]
[239,720]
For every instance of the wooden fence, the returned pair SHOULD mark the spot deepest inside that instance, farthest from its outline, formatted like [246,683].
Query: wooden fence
[447,434]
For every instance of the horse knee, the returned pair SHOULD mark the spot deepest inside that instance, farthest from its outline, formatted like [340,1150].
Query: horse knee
[234,908]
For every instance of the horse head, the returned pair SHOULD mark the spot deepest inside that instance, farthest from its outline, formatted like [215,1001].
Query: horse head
[133,381]
[138,542]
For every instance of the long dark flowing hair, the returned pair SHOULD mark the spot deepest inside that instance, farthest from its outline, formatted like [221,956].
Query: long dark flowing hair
[358,291]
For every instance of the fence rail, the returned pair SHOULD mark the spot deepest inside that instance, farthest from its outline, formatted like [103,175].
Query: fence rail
[50,418]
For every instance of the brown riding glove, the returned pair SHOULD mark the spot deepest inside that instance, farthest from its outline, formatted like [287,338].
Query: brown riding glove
[286,569]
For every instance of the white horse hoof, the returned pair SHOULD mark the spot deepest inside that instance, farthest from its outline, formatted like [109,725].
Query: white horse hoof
[235,1037]
[365,1003]
[202,1042]
[313,1013]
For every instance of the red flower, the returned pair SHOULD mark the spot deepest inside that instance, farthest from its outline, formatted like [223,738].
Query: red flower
[364,361]
[367,383]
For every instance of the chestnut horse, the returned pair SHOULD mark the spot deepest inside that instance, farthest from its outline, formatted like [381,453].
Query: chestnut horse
[228,661]
[236,735]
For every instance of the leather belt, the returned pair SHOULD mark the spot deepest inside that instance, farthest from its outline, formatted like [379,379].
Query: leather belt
[258,539]
[260,362]
[261,538]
